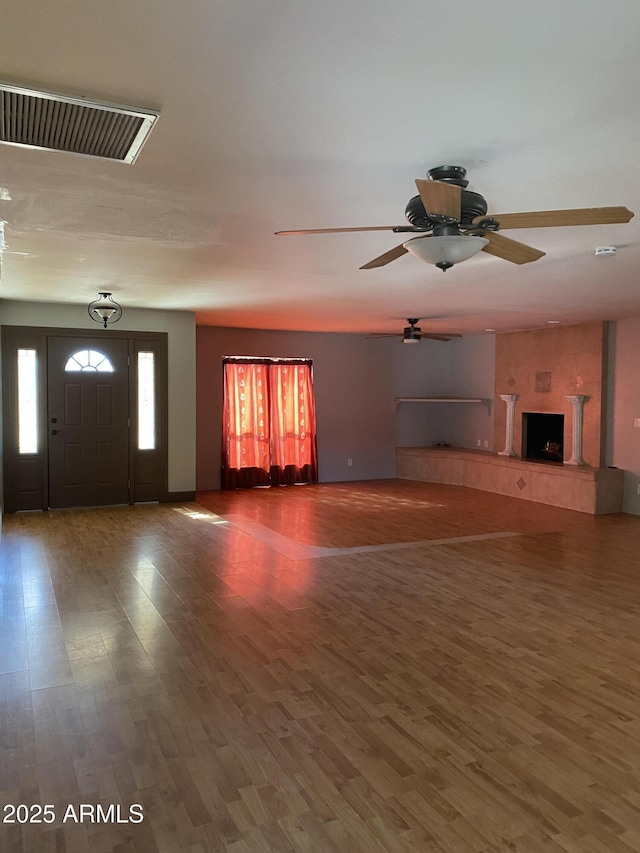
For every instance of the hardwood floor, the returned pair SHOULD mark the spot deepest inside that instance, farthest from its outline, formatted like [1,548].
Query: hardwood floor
[375,667]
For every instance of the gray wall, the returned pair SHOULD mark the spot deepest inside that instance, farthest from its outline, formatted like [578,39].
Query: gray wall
[355,381]
[419,370]
[366,429]
[180,327]
[472,374]
[459,368]
[1,451]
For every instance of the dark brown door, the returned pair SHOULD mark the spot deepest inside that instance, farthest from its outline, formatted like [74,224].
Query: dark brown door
[88,417]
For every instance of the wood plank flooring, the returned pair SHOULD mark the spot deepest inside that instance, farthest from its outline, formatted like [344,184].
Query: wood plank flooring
[467,692]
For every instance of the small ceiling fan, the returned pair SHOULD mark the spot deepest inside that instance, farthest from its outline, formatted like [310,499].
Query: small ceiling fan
[412,334]
[460,228]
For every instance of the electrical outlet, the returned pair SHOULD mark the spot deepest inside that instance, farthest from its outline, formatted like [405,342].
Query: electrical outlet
[636,423]
[479,442]
[349,463]
[486,442]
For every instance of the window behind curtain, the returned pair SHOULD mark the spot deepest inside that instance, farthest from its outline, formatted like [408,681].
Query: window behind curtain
[269,435]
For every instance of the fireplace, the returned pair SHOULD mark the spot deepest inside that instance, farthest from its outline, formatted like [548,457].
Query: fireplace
[542,437]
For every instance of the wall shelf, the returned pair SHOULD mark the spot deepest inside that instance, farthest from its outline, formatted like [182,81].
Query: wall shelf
[397,400]
[438,400]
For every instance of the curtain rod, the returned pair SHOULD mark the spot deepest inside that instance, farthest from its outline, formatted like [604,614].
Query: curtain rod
[249,359]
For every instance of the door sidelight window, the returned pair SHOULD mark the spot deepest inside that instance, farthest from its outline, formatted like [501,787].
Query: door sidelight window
[146,401]
[27,401]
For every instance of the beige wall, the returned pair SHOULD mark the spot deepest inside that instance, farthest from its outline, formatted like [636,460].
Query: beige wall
[625,408]
[572,357]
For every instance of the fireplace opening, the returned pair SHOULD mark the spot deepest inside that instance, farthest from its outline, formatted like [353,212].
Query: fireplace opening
[542,437]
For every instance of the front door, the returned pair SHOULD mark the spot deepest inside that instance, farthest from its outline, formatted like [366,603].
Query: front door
[88,417]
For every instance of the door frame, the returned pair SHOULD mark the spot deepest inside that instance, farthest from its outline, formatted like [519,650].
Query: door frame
[26,476]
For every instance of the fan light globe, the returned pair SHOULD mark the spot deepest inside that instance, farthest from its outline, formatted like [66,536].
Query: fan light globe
[446,251]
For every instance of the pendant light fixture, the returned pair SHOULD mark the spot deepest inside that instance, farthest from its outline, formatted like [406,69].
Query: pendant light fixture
[105,310]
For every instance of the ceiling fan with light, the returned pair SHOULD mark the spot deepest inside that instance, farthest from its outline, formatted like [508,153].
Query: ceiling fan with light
[454,225]
[412,334]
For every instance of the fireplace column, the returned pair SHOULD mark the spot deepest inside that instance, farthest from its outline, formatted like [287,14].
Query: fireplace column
[510,400]
[576,401]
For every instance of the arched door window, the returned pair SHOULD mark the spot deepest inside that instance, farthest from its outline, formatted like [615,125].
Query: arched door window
[88,361]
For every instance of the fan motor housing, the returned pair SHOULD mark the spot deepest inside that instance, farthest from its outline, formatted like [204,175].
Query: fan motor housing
[472,205]
[411,333]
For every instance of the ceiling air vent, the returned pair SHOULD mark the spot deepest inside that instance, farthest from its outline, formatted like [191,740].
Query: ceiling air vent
[34,119]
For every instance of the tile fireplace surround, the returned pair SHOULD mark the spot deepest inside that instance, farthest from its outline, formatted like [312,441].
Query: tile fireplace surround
[556,370]
[545,371]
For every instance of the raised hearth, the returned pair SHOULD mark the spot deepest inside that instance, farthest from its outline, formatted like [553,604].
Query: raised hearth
[597,491]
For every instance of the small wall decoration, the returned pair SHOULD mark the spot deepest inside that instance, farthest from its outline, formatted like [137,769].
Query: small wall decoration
[543,382]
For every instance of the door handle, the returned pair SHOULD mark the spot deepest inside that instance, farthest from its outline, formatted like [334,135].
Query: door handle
[54,432]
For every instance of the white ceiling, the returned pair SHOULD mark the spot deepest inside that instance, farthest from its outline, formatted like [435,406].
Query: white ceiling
[282,114]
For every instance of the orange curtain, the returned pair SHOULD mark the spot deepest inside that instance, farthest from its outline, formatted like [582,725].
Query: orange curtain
[293,418]
[269,435]
[245,457]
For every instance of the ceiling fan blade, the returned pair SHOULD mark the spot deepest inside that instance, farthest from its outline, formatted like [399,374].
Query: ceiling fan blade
[510,250]
[340,230]
[553,218]
[439,197]
[389,256]
[435,337]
